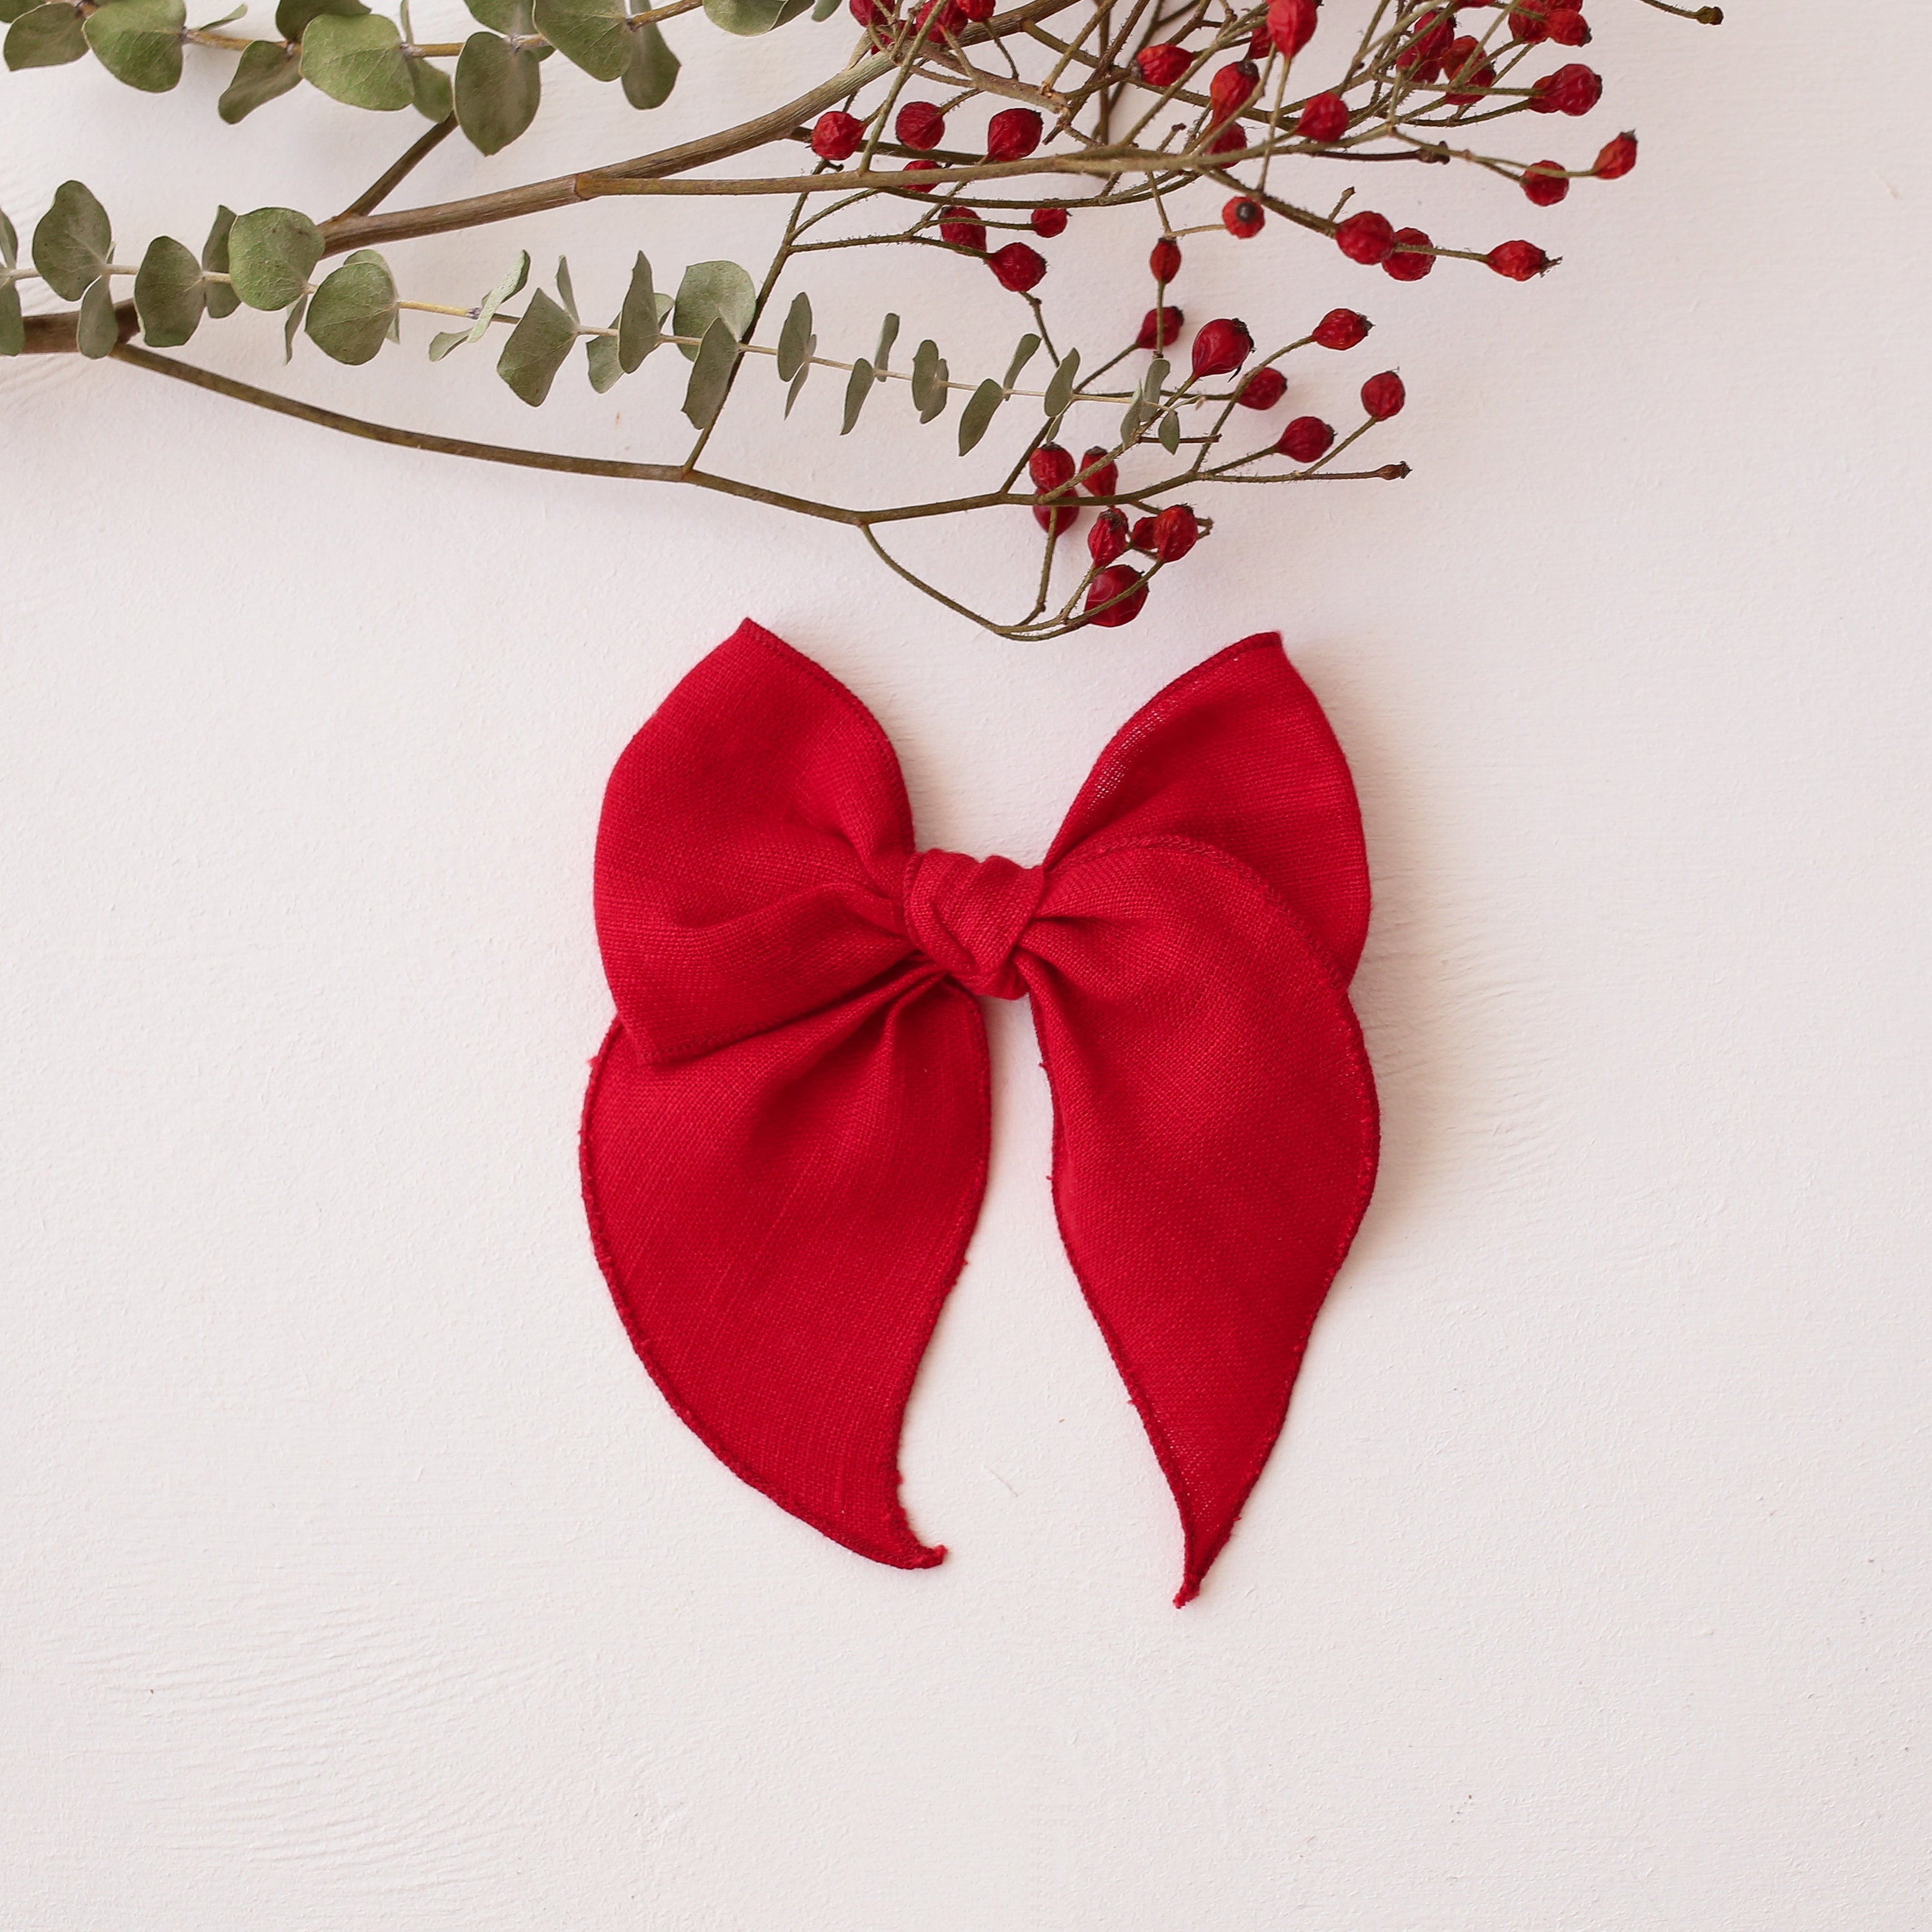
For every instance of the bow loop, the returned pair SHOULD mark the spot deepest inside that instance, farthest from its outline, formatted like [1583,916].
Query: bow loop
[966,916]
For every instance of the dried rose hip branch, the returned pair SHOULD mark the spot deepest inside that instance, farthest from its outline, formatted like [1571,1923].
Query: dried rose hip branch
[958,130]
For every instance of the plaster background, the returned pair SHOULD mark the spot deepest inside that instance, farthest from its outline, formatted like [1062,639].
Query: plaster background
[355,1574]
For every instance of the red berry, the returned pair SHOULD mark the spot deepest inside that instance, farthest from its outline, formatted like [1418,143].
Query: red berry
[1325,118]
[1383,396]
[1222,346]
[1519,260]
[920,124]
[1018,267]
[836,136]
[1232,89]
[1231,140]
[965,231]
[866,12]
[1164,262]
[1143,536]
[1412,260]
[1568,28]
[1160,329]
[920,168]
[1259,45]
[1545,183]
[1162,66]
[1365,238]
[1306,439]
[1470,77]
[1056,519]
[939,16]
[1617,158]
[976,10]
[1341,328]
[1107,538]
[1049,222]
[1051,467]
[1574,89]
[1292,24]
[1263,389]
[1176,531]
[1012,134]
[1527,23]
[1098,473]
[1117,581]
[1243,217]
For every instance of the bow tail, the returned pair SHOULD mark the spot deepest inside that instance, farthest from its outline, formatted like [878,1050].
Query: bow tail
[780,1221]
[1215,1146]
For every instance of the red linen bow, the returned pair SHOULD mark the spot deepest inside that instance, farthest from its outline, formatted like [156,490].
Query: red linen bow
[785,1138]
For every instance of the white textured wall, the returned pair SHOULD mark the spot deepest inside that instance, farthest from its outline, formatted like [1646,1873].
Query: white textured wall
[356,1576]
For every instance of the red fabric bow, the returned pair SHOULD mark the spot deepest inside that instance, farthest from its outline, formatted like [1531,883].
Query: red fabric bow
[785,1137]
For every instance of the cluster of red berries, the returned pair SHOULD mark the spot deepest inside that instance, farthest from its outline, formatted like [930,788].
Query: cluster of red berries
[1117,592]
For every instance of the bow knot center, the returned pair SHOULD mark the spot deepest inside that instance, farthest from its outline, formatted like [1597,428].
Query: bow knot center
[967,915]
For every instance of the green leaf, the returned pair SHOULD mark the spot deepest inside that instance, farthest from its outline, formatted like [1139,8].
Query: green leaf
[271,251]
[858,387]
[497,89]
[593,34]
[806,366]
[711,291]
[652,71]
[170,292]
[440,345]
[430,91]
[292,326]
[753,17]
[929,392]
[357,60]
[98,328]
[505,17]
[565,293]
[978,413]
[353,313]
[10,244]
[600,352]
[228,19]
[792,337]
[10,10]
[637,331]
[1022,354]
[292,16]
[267,68]
[825,10]
[535,350]
[1060,389]
[13,325]
[1169,432]
[711,374]
[139,42]
[512,284]
[888,334]
[73,241]
[222,299]
[46,36]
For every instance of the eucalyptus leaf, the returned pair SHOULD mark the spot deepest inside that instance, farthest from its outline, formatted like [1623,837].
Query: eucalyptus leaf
[593,34]
[977,416]
[97,328]
[825,10]
[504,17]
[1023,354]
[565,293]
[357,60]
[73,241]
[600,352]
[352,314]
[46,36]
[10,10]
[498,87]
[637,331]
[1168,430]
[753,17]
[711,291]
[1060,389]
[934,405]
[929,392]
[805,369]
[222,299]
[13,324]
[652,71]
[535,350]
[793,336]
[227,19]
[442,343]
[139,42]
[711,374]
[292,16]
[271,251]
[858,387]
[292,327]
[430,93]
[486,312]
[888,334]
[10,244]
[266,69]
[170,292]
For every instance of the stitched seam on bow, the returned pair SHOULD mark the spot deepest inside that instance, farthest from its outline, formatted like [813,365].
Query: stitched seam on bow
[962,1235]
[1369,1122]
